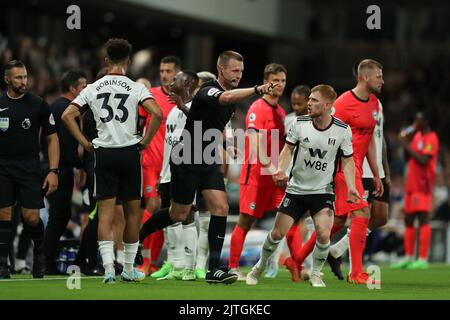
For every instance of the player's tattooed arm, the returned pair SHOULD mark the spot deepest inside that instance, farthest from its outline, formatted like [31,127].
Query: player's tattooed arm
[68,117]
[153,108]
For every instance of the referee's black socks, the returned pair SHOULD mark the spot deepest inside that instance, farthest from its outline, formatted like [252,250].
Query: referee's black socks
[37,234]
[158,221]
[216,236]
[5,238]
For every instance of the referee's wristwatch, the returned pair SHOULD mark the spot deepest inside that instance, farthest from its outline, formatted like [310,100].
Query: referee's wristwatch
[257,91]
[54,170]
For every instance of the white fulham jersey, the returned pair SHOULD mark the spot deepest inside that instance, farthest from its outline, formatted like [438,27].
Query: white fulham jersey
[316,153]
[378,132]
[174,129]
[114,101]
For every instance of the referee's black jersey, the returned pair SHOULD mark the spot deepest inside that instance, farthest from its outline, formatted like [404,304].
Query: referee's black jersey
[20,122]
[206,108]
[68,145]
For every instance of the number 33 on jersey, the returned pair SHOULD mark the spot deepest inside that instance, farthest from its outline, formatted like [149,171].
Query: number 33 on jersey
[316,154]
[114,101]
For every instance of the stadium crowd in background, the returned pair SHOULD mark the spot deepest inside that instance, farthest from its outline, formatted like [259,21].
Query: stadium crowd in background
[405,92]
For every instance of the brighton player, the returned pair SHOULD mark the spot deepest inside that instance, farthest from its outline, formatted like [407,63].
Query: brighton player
[358,108]
[422,147]
[320,138]
[258,193]
[379,206]
[114,101]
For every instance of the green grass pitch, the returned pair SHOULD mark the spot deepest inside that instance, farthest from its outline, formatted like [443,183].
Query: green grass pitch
[433,283]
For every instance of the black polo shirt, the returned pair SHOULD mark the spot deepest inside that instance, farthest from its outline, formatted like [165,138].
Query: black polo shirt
[20,122]
[68,145]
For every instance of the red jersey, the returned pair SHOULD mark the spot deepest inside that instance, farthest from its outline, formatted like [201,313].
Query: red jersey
[265,118]
[361,116]
[153,155]
[420,178]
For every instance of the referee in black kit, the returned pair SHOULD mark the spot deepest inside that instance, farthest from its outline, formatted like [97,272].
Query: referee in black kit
[22,115]
[60,202]
[211,110]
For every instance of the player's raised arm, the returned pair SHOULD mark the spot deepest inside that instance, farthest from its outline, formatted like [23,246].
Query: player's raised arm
[372,160]
[153,108]
[238,95]
[68,117]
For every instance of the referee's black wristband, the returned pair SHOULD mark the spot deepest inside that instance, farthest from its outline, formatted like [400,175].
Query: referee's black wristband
[54,170]
[256,90]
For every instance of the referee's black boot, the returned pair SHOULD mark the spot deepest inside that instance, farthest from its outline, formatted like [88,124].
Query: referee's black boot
[38,263]
[4,272]
[220,275]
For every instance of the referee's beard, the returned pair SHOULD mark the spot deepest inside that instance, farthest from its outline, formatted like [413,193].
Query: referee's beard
[19,90]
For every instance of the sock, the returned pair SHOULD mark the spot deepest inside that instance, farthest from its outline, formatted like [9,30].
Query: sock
[106,248]
[5,238]
[307,263]
[203,245]
[147,241]
[216,236]
[129,252]
[424,241]
[409,242]
[145,216]
[308,247]
[176,244]
[357,240]
[340,247]
[320,255]
[146,251]
[275,258]
[294,241]
[120,256]
[158,221]
[157,242]
[236,246]
[36,234]
[190,245]
[20,264]
[269,247]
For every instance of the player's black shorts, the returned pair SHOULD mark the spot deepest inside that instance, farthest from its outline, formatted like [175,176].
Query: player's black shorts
[118,173]
[296,206]
[21,180]
[187,179]
[369,188]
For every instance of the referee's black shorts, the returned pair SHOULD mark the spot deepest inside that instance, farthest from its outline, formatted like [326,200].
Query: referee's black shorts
[369,188]
[21,180]
[187,179]
[118,173]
